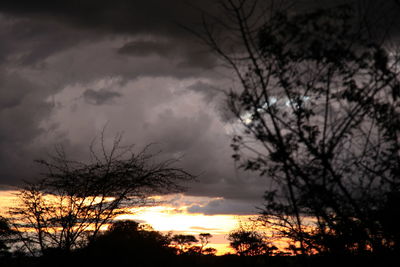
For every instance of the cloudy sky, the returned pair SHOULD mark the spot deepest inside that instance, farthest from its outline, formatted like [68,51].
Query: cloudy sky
[70,68]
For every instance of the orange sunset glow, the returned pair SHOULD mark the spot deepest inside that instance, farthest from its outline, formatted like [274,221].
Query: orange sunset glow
[192,133]
[167,217]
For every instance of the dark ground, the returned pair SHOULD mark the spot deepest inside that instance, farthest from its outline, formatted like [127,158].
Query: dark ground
[192,261]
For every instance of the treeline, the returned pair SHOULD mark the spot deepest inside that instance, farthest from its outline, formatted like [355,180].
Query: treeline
[128,243]
[125,243]
[318,99]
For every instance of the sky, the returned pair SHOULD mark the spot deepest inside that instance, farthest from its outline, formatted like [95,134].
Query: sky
[70,68]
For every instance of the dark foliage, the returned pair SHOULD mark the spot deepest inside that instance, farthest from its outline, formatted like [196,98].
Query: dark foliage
[183,244]
[250,243]
[7,237]
[128,242]
[318,101]
[250,239]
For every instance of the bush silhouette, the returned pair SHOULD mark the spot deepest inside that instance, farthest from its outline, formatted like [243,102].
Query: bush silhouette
[128,243]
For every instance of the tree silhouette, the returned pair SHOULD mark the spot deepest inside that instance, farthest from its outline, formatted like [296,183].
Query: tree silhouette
[128,242]
[209,251]
[183,243]
[249,243]
[318,103]
[204,239]
[6,237]
[73,200]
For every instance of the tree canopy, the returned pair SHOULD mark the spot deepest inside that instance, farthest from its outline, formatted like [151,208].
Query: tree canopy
[317,98]
[250,243]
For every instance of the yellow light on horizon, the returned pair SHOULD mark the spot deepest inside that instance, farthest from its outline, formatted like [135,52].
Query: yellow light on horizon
[167,217]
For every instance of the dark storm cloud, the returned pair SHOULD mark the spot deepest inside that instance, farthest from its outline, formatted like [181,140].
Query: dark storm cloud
[145,48]
[45,49]
[53,51]
[46,27]
[192,54]
[21,109]
[208,90]
[121,16]
[28,41]
[102,96]
[25,88]
[14,89]
[225,206]
[73,19]
[156,16]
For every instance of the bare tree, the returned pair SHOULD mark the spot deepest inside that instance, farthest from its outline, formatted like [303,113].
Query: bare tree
[318,103]
[73,200]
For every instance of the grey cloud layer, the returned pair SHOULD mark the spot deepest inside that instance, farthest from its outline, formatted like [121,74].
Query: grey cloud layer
[100,97]
[40,58]
[67,95]
[223,206]
[121,16]
[67,68]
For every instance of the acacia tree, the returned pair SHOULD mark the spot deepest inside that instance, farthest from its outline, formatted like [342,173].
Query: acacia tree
[318,103]
[204,239]
[200,249]
[73,200]
[249,243]
[183,243]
